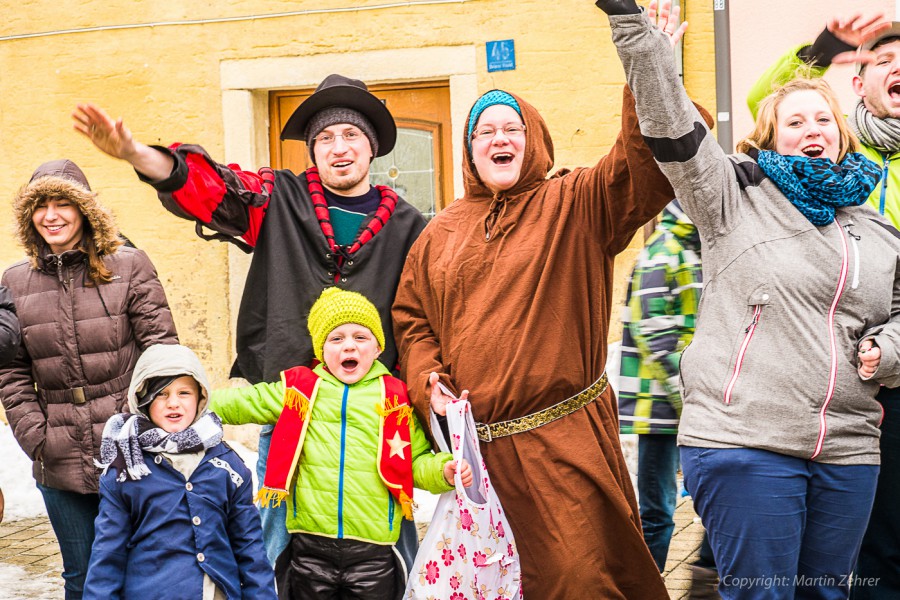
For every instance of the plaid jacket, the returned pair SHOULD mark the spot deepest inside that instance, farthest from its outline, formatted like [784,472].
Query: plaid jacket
[658,319]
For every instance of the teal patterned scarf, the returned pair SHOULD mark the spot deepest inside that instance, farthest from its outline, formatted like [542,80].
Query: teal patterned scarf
[817,186]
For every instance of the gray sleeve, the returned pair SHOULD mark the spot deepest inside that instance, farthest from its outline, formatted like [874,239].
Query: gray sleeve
[698,169]
[887,337]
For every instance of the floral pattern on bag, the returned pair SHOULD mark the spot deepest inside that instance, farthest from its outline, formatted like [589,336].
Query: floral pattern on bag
[468,552]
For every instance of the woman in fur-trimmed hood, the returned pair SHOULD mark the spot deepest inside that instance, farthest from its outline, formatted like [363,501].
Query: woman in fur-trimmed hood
[63,180]
[88,306]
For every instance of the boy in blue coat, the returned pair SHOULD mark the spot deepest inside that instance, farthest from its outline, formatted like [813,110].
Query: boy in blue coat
[177,519]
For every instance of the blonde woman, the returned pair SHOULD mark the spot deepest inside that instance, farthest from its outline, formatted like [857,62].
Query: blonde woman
[797,327]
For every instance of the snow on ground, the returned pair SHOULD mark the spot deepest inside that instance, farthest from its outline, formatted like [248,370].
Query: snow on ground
[17,584]
[23,500]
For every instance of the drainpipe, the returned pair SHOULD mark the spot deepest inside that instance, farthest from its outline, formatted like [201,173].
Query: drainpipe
[723,74]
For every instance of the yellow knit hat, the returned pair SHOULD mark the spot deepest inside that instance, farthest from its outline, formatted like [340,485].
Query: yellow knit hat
[336,307]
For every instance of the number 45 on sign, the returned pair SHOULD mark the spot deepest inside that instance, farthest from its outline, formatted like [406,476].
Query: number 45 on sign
[501,55]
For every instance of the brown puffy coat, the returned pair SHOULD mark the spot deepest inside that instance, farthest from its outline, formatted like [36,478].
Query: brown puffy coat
[80,341]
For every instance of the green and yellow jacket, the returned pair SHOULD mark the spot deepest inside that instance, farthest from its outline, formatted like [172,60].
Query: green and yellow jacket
[337,491]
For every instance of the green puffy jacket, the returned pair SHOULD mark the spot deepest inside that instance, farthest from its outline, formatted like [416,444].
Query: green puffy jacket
[336,491]
[885,198]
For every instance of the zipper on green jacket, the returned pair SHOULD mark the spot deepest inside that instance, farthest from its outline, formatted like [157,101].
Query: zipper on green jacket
[340,531]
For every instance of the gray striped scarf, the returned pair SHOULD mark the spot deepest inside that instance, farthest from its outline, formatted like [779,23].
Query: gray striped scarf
[125,437]
[881,134]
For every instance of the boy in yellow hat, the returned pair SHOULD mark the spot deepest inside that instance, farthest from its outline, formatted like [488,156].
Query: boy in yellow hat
[346,452]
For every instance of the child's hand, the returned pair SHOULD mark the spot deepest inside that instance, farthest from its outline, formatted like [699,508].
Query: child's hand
[439,400]
[465,472]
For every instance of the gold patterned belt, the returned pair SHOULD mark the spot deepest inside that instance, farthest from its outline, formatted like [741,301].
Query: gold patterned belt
[487,433]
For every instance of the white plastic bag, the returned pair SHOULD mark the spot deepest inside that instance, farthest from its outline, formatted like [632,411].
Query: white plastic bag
[468,552]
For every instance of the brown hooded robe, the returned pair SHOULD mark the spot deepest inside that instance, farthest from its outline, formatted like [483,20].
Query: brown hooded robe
[521,321]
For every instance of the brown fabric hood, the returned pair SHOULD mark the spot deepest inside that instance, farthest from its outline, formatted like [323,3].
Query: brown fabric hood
[62,179]
[536,163]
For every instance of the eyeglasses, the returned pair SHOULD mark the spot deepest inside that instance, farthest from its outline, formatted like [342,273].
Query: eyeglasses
[487,132]
[351,136]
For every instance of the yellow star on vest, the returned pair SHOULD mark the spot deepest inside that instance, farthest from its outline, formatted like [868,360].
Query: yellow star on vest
[397,445]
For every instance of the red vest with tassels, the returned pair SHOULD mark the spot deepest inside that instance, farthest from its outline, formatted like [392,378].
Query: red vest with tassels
[394,437]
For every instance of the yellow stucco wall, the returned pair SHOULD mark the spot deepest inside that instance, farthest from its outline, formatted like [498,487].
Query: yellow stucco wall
[206,83]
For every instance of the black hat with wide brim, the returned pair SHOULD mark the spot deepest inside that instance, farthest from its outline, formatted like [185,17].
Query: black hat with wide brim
[339,91]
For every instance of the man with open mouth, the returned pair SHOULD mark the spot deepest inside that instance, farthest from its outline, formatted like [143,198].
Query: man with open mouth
[876,121]
[324,227]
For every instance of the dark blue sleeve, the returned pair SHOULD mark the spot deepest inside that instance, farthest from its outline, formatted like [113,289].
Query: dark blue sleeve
[9,328]
[245,534]
[109,553]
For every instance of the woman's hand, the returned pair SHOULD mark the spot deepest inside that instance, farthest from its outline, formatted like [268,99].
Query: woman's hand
[666,19]
[869,355]
[465,472]
[439,400]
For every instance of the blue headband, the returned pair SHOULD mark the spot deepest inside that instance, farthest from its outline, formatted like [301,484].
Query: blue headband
[487,100]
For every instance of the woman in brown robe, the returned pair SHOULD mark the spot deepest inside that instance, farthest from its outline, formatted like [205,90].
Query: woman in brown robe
[507,294]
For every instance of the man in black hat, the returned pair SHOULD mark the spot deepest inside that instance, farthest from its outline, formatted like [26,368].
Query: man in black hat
[325,227]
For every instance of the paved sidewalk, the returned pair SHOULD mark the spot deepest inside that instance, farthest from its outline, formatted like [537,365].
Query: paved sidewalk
[31,545]
[683,550]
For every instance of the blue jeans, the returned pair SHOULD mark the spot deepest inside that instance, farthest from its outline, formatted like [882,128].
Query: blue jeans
[275,533]
[72,518]
[657,491]
[274,520]
[780,526]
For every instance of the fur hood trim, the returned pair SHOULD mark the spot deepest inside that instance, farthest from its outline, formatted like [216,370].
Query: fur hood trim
[98,220]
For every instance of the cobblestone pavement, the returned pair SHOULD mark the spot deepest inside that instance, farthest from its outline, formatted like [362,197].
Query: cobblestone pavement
[31,545]
[683,550]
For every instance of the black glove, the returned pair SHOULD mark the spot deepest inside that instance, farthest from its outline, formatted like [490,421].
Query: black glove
[823,50]
[619,7]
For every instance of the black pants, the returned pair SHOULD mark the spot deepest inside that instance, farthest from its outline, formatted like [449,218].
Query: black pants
[878,568]
[323,568]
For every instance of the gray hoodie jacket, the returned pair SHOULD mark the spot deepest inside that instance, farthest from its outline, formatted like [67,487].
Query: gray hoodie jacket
[773,362]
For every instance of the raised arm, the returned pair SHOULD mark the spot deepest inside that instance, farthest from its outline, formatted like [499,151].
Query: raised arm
[112,137]
[836,44]
[189,183]
[626,188]
[671,125]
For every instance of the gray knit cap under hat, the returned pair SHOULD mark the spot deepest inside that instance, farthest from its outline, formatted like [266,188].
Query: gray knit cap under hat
[361,108]
[334,116]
